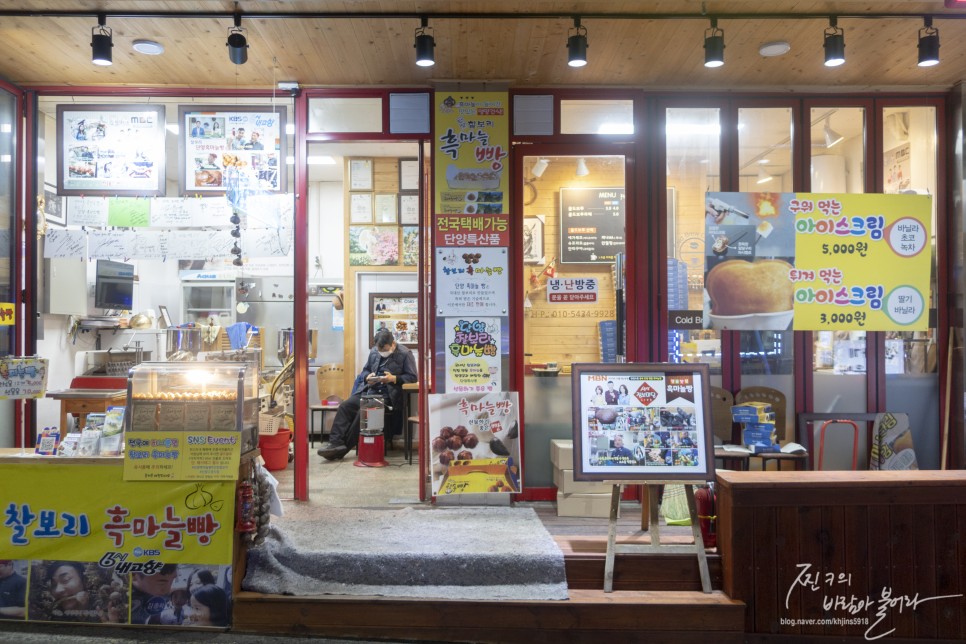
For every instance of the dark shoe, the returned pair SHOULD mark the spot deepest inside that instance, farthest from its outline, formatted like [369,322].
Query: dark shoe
[333,451]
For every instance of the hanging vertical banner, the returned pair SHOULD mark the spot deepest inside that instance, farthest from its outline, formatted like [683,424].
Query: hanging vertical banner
[812,261]
[471,151]
[472,355]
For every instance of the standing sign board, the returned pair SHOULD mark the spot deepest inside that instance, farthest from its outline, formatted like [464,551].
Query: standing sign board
[642,422]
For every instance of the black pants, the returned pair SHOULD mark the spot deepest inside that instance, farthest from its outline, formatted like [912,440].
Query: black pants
[345,425]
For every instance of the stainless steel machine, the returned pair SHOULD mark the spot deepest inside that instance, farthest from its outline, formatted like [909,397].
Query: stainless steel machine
[269,303]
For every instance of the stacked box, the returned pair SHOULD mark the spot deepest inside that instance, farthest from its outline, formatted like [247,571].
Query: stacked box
[753,412]
[608,340]
[759,437]
[576,498]
[677,285]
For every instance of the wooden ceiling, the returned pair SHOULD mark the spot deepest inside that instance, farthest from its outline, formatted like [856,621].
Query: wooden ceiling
[49,50]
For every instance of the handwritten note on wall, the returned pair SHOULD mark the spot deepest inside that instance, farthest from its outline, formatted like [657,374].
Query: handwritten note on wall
[61,242]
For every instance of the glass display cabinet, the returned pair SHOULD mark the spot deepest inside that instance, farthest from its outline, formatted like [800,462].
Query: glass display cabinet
[194,397]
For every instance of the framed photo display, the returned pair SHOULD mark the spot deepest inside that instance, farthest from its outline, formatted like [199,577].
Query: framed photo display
[111,150]
[397,312]
[220,140]
[408,174]
[533,240]
[54,206]
[360,208]
[643,421]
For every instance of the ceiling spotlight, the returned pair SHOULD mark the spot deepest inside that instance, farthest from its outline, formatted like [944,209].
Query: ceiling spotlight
[237,261]
[928,44]
[237,43]
[102,42]
[834,43]
[236,232]
[831,136]
[582,170]
[539,168]
[577,45]
[425,44]
[714,45]
[763,176]
[236,249]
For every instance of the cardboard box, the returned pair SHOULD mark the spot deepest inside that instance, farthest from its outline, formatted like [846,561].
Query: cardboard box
[564,480]
[760,437]
[562,453]
[584,505]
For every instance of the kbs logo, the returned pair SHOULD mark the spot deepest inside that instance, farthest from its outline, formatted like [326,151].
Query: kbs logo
[646,394]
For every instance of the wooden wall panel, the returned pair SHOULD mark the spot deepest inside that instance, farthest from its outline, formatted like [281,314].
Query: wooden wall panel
[869,537]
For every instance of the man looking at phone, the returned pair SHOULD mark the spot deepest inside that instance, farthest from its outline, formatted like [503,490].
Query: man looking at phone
[389,366]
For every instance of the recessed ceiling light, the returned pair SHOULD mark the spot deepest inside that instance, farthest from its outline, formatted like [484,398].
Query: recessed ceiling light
[775,48]
[149,47]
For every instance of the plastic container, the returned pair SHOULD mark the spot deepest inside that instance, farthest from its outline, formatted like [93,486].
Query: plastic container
[275,449]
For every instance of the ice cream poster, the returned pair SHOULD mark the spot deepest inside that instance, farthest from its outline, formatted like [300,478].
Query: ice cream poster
[810,261]
[471,152]
[475,443]
[472,355]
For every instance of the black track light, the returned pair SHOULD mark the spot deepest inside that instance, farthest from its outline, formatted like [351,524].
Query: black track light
[714,45]
[237,43]
[236,232]
[102,42]
[834,44]
[425,44]
[235,219]
[577,45]
[236,249]
[928,44]
[237,261]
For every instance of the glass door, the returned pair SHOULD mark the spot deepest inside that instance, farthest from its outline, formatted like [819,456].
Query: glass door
[574,214]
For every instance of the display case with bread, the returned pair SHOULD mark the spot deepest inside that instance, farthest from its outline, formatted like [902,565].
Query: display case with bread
[750,294]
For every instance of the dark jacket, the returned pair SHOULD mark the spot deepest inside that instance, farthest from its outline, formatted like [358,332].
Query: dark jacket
[402,364]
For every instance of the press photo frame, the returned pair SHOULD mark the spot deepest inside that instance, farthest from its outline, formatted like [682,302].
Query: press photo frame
[642,422]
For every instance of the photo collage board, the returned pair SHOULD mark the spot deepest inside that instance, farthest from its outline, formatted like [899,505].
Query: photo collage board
[642,421]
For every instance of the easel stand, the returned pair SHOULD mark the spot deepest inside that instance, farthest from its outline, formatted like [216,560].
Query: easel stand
[655,546]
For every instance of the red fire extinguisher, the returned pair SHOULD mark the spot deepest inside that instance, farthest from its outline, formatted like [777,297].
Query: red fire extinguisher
[707,515]
[245,510]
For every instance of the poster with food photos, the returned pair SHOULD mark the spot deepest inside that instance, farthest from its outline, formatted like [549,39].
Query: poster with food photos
[642,421]
[475,443]
[217,140]
[111,150]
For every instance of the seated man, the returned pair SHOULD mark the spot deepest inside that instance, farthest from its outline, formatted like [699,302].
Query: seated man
[389,366]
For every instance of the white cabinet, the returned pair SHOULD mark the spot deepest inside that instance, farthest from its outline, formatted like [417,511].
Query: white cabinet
[202,301]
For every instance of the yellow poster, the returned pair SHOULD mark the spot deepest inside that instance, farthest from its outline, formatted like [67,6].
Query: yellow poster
[181,456]
[862,262]
[88,513]
[817,261]
[472,147]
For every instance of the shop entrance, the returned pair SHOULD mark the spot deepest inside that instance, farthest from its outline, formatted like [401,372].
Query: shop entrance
[574,212]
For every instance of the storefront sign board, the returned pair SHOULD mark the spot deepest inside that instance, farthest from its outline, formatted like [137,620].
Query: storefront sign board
[472,355]
[472,281]
[182,455]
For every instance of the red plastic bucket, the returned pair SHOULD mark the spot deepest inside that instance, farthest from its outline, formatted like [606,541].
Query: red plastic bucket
[275,449]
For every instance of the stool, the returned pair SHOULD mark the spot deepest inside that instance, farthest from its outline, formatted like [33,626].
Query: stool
[411,423]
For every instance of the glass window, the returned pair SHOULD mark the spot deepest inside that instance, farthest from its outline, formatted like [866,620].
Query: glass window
[693,168]
[838,165]
[765,165]
[345,114]
[8,149]
[597,117]
[909,165]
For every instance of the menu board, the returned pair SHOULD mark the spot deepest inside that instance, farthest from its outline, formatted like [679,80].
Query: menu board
[591,225]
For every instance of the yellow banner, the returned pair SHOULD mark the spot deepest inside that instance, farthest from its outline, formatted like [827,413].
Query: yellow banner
[182,456]
[8,313]
[862,261]
[88,513]
[471,153]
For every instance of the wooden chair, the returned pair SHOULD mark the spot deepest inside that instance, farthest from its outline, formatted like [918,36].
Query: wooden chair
[721,403]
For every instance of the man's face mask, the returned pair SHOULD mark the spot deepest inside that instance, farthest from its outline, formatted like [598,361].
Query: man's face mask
[386,353]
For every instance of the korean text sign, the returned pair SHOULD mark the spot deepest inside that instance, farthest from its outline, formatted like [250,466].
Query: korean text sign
[50,514]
